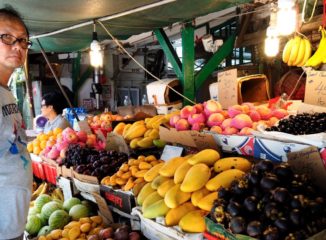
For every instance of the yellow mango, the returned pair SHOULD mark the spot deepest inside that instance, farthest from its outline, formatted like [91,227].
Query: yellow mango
[196,178]
[207,156]
[144,166]
[74,233]
[56,234]
[146,142]
[85,220]
[174,197]
[98,219]
[137,187]
[133,142]
[72,224]
[199,194]
[164,187]
[129,185]
[206,203]
[181,172]
[144,192]
[240,163]
[169,168]
[125,130]
[153,172]
[156,209]
[154,134]
[150,158]
[150,199]
[193,222]
[135,132]
[224,179]
[65,232]
[174,215]
[86,227]
[141,173]
[119,128]
[158,180]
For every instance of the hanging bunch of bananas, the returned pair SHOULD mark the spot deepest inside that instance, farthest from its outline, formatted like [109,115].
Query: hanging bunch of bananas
[297,51]
[42,189]
[319,56]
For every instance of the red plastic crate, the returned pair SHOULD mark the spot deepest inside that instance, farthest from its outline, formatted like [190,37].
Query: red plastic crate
[38,170]
[50,173]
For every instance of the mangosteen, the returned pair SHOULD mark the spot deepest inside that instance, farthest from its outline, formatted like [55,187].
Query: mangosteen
[250,204]
[223,193]
[234,208]
[296,217]
[87,172]
[295,203]
[81,168]
[237,225]
[283,172]
[282,224]
[271,233]
[254,229]
[239,188]
[269,182]
[271,210]
[264,166]
[96,164]
[254,178]
[281,195]
[255,191]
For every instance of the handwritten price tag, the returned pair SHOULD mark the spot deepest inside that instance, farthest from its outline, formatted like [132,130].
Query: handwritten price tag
[227,87]
[315,92]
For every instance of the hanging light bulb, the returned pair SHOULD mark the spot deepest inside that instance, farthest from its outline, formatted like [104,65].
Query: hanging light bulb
[272,41]
[96,53]
[286,17]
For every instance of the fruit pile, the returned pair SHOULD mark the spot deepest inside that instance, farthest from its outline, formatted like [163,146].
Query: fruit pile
[300,124]
[238,119]
[103,121]
[271,202]
[297,51]
[183,189]
[54,144]
[48,214]
[143,133]
[89,161]
[133,174]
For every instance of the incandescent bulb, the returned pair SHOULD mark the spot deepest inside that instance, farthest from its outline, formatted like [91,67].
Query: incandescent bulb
[96,54]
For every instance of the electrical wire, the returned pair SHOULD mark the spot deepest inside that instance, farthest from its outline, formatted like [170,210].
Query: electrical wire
[296,85]
[120,45]
[304,10]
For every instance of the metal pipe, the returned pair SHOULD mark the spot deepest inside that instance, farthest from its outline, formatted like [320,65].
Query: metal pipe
[138,9]
[57,80]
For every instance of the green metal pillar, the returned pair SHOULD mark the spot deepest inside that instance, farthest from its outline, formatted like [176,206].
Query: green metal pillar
[214,61]
[188,62]
[170,53]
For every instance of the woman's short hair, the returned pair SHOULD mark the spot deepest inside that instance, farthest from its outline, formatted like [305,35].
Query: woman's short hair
[55,99]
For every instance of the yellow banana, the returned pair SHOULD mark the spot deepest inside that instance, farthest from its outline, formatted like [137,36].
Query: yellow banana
[287,50]
[307,53]
[301,52]
[294,50]
[320,53]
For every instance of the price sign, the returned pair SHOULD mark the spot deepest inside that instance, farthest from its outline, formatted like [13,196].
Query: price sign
[171,152]
[227,87]
[315,92]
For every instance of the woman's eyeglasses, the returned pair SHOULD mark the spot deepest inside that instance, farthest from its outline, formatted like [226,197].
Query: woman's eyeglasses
[11,40]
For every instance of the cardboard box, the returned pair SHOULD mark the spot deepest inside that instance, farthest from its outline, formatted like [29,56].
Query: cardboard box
[86,187]
[242,145]
[165,109]
[275,150]
[236,90]
[122,200]
[63,171]
[199,140]
[85,178]
[156,231]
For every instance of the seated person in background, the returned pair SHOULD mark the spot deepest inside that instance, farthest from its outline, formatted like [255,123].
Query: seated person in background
[52,105]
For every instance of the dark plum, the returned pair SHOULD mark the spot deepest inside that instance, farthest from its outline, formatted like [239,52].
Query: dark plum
[296,217]
[250,204]
[264,166]
[281,195]
[237,225]
[282,224]
[234,209]
[271,233]
[254,229]
[269,182]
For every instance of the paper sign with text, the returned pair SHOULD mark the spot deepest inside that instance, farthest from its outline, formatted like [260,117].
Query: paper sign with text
[315,92]
[171,152]
[308,161]
[227,88]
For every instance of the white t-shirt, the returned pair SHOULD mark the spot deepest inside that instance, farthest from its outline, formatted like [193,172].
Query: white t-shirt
[58,122]
[15,169]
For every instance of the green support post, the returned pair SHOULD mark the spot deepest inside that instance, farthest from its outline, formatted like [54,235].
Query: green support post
[75,77]
[214,61]
[170,53]
[188,62]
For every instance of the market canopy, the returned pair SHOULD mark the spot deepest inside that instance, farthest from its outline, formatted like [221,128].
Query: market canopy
[124,18]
